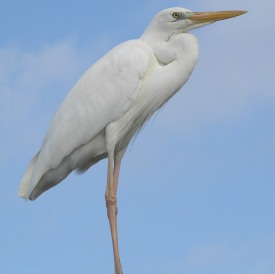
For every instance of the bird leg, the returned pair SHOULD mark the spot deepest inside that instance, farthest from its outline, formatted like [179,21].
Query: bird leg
[110,197]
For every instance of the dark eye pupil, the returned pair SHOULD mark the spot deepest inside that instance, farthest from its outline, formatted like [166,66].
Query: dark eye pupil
[176,15]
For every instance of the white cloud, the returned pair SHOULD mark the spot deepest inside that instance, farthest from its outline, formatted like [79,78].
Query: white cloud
[253,256]
[24,74]
[206,255]
[55,63]
[31,83]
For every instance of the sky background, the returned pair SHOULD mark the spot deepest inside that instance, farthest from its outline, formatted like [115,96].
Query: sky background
[196,192]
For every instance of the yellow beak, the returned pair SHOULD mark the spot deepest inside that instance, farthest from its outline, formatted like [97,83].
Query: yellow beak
[212,16]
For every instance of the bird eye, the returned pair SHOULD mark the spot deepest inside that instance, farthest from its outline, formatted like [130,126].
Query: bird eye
[176,15]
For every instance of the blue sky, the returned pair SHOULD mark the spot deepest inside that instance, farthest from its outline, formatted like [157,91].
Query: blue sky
[196,193]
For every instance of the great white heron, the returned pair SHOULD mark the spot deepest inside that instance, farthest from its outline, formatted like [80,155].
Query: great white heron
[112,101]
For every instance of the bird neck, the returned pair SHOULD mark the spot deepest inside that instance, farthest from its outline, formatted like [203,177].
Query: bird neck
[151,35]
[169,47]
[157,40]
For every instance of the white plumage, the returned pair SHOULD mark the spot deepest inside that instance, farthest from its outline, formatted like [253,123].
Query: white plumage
[113,100]
[124,88]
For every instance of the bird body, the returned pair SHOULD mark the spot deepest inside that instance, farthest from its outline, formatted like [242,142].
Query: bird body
[118,94]
[113,100]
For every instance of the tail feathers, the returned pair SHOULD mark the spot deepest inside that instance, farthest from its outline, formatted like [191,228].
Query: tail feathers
[26,180]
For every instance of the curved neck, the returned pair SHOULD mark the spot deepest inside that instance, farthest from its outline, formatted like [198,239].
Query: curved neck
[152,34]
[157,40]
[171,47]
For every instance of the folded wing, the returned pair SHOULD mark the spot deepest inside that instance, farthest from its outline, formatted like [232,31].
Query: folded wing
[100,97]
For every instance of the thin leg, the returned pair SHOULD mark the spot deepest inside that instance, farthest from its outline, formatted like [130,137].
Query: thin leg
[110,196]
[116,174]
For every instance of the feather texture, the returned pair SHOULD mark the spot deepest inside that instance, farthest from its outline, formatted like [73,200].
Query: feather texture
[117,95]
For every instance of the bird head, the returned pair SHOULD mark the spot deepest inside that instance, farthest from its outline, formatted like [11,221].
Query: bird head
[179,20]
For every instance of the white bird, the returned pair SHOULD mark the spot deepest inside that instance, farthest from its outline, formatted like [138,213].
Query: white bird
[113,100]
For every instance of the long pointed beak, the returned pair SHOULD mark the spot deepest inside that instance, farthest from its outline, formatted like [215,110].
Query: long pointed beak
[213,16]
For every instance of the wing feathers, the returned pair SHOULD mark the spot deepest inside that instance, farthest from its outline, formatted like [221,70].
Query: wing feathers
[100,97]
